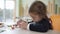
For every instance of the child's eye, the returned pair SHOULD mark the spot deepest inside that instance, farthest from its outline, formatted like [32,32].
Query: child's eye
[34,17]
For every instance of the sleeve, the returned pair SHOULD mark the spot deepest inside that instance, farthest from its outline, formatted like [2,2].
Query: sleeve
[39,27]
[28,26]
[29,23]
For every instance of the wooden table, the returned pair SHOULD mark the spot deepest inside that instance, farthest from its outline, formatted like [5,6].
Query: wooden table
[21,31]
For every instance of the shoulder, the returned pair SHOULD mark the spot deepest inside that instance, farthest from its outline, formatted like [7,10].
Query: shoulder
[44,21]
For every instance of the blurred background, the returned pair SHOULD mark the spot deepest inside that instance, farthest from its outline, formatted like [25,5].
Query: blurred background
[10,10]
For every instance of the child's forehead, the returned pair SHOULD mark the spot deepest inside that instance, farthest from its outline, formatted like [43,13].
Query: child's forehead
[33,14]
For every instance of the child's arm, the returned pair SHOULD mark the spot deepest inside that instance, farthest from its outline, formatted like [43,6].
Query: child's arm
[38,27]
[43,27]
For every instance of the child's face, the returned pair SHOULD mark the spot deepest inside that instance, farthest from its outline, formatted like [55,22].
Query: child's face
[35,17]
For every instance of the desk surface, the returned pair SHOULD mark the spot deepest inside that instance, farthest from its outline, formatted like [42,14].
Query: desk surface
[21,31]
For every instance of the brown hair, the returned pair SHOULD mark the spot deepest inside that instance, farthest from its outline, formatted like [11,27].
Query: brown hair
[39,8]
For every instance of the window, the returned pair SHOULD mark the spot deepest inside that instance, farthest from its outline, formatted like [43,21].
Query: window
[7,8]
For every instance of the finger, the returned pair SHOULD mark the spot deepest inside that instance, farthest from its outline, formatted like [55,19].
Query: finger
[18,22]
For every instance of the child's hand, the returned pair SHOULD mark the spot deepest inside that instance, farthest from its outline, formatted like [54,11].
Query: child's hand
[22,24]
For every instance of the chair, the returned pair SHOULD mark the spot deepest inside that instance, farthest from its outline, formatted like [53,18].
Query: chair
[55,22]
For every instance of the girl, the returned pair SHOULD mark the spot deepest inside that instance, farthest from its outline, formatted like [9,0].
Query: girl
[41,22]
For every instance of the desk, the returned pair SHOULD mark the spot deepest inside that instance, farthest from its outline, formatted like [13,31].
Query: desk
[21,31]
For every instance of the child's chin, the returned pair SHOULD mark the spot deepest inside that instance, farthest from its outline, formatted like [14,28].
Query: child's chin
[35,21]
